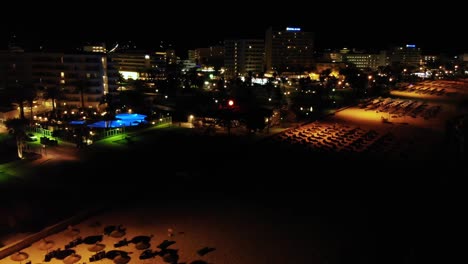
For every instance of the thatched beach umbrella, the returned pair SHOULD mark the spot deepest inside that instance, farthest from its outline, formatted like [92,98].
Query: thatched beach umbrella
[112,254]
[72,259]
[19,256]
[142,245]
[121,259]
[46,245]
[114,231]
[117,233]
[138,239]
[96,247]
[171,258]
[72,232]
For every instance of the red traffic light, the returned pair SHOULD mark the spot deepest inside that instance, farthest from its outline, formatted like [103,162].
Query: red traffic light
[231,102]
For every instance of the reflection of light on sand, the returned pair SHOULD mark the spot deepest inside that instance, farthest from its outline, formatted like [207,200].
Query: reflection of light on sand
[405,94]
[359,115]
[373,118]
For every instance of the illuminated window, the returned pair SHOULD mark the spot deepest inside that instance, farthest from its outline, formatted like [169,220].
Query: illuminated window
[62,81]
[62,74]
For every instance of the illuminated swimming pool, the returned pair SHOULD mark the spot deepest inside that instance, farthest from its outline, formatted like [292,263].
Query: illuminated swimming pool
[121,121]
[77,122]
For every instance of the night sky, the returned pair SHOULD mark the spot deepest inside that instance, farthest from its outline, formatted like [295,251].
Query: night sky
[198,25]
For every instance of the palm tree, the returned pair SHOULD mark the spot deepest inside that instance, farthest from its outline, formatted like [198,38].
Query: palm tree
[15,92]
[31,95]
[53,93]
[108,118]
[17,125]
[109,101]
[81,87]
[21,93]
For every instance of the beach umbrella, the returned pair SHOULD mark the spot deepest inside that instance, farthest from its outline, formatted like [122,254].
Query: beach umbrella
[117,233]
[138,239]
[71,259]
[72,232]
[46,245]
[121,259]
[114,253]
[96,247]
[19,256]
[142,245]
[171,258]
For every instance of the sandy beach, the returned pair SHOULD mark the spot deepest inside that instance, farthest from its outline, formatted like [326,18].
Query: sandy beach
[235,233]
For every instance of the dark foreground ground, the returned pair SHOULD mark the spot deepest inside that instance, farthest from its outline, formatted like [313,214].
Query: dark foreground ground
[362,209]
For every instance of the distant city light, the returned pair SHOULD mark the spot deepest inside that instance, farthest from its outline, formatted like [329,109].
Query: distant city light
[208,69]
[129,75]
[411,46]
[293,29]
[261,81]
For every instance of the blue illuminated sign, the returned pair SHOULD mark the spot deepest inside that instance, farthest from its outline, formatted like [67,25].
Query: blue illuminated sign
[411,46]
[293,29]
